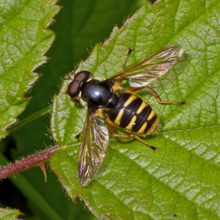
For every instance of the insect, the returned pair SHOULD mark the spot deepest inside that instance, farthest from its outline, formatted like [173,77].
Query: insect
[123,109]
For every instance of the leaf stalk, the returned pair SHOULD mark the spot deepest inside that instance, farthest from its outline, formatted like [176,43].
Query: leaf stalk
[34,160]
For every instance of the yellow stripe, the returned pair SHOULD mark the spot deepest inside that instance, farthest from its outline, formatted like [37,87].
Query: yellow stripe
[142,129]
[143,105]
[119,116]
[153,126]
[129,101]
[131,124]
[151,115]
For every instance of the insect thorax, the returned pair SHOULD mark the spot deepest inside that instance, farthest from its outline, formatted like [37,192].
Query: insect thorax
[98,94]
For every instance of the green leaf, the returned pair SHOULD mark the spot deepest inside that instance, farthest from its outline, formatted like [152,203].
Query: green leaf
[74,37]
[23,41]
[9,214]
[183,176]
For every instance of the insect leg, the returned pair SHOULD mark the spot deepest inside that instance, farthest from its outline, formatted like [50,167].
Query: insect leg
[67,78]
[111,130]
[73,72]
[78,135]
[74,100]
[126,58]
[134,89]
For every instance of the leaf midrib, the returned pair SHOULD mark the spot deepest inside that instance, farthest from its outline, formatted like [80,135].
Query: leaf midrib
[189,129]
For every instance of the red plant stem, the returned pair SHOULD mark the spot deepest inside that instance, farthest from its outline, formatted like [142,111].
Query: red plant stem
[28,162]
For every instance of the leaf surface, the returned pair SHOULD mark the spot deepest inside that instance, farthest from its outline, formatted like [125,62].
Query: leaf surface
[182,178]
[23,41]
[74,37]
[9,214]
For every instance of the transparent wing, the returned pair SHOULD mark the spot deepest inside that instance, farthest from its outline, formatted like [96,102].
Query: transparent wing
[151,67]
[93,146]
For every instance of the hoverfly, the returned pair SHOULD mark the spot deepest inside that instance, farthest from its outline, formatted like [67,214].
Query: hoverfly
[123,109]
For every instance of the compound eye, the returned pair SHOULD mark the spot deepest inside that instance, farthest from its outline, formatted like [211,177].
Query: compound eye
[73,89]
[82,76]
[75,85]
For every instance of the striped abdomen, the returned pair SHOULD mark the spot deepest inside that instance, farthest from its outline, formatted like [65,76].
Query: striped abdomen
[134,115]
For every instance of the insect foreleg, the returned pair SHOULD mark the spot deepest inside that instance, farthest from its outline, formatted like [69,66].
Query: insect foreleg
[67,78]
[74,100]
[126,58]
[134,89]
[73,72]
[111,130]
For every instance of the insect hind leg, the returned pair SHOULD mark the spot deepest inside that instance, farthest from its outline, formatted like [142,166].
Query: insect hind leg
[134,89]
[126,58]
[111,130]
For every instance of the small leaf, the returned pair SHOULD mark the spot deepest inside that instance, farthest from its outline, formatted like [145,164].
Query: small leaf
[182,178]
[9,214]
[23,41]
